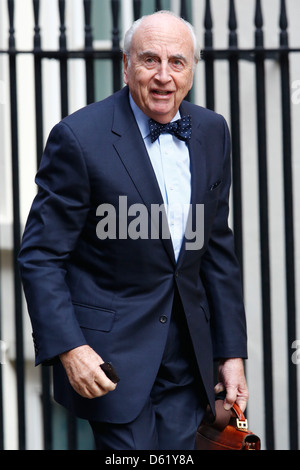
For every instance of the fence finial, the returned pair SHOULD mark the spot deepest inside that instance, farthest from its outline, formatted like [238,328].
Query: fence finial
[37,29]
[62,27]
[208,24]
[259,35]
[11,14]
[232,24]
[87,27]
[283,23]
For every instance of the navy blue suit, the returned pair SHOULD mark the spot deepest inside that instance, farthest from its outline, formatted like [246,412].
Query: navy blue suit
[116,294]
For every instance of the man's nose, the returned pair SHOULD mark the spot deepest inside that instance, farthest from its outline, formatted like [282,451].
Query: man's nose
[163,73]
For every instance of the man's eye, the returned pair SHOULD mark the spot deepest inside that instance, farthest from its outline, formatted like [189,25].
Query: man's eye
[178,64]
[150,61]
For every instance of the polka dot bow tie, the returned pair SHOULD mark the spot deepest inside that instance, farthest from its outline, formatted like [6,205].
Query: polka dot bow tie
[182,129]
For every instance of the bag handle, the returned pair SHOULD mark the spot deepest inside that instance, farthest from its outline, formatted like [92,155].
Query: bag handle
[241,421]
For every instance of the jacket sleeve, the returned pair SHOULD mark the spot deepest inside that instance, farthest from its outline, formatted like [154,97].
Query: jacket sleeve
[55,221]
[220,273]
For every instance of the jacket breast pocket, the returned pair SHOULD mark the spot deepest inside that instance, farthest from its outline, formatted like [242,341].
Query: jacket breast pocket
[214,186]
[214,190]
[94,318]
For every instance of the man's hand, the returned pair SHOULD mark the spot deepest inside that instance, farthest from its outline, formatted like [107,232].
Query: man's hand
[232,379]
[83,369]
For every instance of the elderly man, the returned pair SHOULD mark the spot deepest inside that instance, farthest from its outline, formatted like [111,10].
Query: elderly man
[160,305]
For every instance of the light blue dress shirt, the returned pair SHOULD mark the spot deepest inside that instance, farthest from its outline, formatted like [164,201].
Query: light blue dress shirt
[171,163]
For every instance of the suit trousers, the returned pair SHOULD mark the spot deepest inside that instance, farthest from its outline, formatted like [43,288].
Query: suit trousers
[175,407]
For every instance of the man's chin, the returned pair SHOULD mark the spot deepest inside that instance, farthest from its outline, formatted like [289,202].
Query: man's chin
[162,114]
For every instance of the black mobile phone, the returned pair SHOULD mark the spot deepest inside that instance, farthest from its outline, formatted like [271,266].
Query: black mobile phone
[110,372]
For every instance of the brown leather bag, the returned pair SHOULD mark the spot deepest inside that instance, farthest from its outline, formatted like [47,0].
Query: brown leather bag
[228,431]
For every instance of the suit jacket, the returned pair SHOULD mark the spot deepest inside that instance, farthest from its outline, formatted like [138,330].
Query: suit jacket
[116,294]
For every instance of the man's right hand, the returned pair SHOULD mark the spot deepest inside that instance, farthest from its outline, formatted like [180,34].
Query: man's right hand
[83,369]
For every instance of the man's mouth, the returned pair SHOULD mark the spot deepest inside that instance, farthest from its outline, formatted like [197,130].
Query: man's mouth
[162,93]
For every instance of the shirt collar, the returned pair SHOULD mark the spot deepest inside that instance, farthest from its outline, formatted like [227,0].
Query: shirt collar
[143,120]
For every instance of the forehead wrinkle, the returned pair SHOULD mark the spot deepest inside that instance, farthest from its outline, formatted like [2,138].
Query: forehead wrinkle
[149,35]
[172,26]
[158,47]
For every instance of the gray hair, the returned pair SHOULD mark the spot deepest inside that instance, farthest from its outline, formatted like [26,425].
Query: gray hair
[132,30]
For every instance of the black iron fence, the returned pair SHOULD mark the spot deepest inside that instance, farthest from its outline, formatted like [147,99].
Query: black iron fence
[233,54]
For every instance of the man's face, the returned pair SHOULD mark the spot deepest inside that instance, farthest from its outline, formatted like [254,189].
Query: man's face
[159,71]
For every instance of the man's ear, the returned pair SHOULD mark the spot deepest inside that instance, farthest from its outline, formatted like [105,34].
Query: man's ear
[125,68]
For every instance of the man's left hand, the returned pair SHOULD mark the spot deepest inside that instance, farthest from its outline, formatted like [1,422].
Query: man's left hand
[232,380]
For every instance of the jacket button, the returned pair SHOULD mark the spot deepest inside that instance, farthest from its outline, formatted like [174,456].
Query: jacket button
[163,319]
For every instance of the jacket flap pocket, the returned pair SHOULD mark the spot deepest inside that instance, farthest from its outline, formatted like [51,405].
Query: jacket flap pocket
[94,318]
